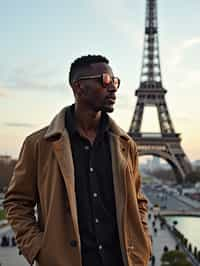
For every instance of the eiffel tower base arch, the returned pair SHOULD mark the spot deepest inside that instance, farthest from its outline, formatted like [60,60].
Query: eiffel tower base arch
[167,148]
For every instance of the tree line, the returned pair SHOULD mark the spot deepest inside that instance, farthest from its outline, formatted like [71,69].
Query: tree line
[6,171]
[168,174]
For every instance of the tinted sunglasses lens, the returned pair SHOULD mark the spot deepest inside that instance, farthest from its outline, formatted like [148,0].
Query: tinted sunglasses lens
[106,79]
[116,82]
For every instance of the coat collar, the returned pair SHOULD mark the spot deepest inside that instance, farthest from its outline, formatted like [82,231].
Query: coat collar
[56,128]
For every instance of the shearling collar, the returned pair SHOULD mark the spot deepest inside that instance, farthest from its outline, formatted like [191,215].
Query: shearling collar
[57,126]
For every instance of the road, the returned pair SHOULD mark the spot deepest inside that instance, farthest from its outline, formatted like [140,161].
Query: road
[165,200]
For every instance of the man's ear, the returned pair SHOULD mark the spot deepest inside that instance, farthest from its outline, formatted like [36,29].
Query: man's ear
[77,88]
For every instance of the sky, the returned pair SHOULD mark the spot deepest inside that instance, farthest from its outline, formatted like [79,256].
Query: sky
[40,40]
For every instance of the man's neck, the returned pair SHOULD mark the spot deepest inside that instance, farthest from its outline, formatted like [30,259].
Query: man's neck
[87,122]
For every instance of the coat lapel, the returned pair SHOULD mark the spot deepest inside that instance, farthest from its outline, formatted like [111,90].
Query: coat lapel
[119,151]
[62,149]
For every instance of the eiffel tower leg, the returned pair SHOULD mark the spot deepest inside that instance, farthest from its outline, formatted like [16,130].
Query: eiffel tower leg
[137,118]
[164,118]
[182,165]
[185,164]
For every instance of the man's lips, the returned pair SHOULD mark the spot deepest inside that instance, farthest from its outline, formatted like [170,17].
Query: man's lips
[111,98]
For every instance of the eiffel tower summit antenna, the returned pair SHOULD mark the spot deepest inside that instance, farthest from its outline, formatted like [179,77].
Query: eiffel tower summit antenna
[165,144]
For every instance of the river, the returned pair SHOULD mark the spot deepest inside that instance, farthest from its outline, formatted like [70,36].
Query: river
[189,226]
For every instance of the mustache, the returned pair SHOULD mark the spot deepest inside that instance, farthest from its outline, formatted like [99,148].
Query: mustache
[111,96]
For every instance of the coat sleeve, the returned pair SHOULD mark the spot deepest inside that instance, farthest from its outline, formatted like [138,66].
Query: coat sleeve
[19,203]
[141,199]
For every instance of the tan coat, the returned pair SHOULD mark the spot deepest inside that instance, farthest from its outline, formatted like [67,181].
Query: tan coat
[44,175]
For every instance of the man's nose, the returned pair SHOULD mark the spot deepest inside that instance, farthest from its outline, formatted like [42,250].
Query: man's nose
[112,88]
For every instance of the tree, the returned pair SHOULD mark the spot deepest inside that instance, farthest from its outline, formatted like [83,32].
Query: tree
[163,174]
[193,177]
[6,170]
[174,258]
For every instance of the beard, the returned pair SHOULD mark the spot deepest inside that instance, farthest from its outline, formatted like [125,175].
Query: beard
[107,109]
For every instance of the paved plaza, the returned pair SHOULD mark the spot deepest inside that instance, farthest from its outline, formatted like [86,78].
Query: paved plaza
[161,239]
[9,255]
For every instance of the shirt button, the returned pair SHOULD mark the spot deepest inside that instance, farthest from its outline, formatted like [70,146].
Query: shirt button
[91,169]
[100,247]
[96,221]
[73,243]
[95,195]
[86,148]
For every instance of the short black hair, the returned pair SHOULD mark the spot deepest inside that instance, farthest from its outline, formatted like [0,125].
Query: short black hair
[84,61]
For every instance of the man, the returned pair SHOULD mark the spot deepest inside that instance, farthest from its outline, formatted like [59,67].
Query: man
[82,173]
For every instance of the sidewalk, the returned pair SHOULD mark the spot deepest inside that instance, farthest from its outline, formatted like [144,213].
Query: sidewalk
[160,239]
[9,255]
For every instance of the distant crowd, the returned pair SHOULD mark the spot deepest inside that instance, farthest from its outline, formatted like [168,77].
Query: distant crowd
[6,241]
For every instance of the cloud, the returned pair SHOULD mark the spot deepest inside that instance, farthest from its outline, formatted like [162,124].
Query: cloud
[30,84]
[191,78]
[26,83]
[182,72]
[15,124]
[183,119]
[23,83]
[125,99]
[177,54]
[3,91]
[190,43]
[33,76]
[121,17]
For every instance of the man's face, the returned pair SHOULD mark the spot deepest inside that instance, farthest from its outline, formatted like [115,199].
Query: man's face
[93,93]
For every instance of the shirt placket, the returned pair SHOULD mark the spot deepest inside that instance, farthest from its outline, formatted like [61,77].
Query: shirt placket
[95,200]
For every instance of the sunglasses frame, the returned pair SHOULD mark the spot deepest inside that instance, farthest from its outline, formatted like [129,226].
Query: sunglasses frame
[101,76]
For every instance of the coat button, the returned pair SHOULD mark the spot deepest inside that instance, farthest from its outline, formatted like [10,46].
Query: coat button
[73,243]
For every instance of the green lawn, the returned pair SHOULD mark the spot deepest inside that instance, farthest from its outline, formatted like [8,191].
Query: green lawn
[147,179]
[2,215]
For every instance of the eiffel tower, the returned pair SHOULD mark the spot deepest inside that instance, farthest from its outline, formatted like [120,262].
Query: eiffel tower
[166,143]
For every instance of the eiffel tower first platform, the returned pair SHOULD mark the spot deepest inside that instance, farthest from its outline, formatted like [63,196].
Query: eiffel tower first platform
[166,143]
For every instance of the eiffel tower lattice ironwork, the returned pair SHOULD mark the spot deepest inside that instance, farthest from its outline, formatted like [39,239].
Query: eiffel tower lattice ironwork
[165,144]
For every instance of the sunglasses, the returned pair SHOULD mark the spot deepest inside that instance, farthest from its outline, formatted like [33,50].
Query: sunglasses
[105,78]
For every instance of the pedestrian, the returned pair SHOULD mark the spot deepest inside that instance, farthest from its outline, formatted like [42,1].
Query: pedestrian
[165,249]
[177,247]
[162,223]
[13,241]
[4,241]
[153,223]
[82,173]
[153,260]
[151,237]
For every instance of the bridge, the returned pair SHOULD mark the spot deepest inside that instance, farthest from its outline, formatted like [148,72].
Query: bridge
[181,213]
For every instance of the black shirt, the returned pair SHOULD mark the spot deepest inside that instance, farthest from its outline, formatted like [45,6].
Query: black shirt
[95,195]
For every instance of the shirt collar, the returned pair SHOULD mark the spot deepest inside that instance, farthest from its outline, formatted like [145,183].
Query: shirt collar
[70,122]
[57,127]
